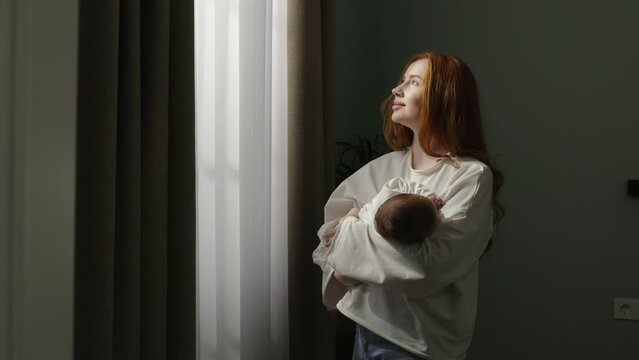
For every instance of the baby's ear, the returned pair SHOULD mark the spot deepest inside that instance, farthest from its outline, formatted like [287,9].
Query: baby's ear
[439,203]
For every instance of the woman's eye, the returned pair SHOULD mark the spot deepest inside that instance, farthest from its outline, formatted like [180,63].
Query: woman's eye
[414,82]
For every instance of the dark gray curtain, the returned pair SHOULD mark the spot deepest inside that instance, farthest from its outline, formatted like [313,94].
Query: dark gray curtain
[135,210]
[312,332]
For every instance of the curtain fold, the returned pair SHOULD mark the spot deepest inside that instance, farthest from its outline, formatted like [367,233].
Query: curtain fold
[312,331]
[135,220]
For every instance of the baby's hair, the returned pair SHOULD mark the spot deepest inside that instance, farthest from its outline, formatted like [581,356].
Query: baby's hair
[406,218]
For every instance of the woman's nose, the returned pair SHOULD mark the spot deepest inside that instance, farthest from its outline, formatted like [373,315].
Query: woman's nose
[397,91]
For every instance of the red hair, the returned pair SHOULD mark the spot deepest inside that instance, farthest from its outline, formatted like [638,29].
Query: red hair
[449,116]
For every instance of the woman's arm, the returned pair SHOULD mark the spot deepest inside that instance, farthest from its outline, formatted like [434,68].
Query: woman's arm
[359,252]
[345,280]
[355,191]
[334,284]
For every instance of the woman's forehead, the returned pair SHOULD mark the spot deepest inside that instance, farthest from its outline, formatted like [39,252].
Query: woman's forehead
[417,68]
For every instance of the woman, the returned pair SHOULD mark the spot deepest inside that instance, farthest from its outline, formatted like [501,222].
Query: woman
[418,302]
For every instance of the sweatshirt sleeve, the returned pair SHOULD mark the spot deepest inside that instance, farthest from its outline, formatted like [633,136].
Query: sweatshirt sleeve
[355,191]
[332,290]
[357,251]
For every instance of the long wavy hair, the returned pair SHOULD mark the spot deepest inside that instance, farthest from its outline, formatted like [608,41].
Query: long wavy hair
[449,114]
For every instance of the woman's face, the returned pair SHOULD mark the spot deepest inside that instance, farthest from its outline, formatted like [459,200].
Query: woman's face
[408,96]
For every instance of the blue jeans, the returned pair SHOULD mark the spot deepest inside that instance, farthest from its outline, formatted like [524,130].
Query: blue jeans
[369,346]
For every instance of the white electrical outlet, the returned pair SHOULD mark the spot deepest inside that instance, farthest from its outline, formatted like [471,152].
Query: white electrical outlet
[626,309]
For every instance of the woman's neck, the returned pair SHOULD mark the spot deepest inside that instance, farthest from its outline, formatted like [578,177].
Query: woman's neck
[422,160]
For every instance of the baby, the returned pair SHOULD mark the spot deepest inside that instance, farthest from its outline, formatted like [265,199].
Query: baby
[405,212]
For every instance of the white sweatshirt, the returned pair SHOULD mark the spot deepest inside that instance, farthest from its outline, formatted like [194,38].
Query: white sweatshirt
[422,298]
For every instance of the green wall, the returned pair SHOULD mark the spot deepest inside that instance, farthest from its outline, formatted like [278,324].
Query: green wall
[558,87]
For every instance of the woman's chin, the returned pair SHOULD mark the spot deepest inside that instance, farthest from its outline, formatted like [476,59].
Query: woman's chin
[396,119]
[401,121]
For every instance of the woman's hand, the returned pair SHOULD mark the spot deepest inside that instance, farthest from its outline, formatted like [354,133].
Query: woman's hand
[345,280]
[330,234]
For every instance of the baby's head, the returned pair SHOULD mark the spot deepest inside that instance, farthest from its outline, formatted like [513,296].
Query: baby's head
[408,218]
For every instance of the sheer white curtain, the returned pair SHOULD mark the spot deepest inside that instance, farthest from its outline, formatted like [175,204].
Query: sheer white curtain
[241,92]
